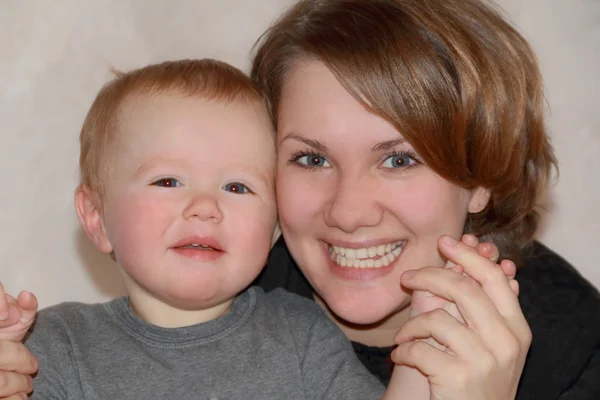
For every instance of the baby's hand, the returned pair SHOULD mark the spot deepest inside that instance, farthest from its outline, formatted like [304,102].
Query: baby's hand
[16,315]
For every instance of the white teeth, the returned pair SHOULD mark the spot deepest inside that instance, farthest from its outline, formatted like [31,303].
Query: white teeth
[371,257]
[362,253]
[350,254]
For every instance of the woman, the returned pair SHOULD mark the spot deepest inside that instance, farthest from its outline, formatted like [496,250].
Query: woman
[400,121]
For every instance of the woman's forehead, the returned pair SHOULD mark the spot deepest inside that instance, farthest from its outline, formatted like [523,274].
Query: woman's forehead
[314,103]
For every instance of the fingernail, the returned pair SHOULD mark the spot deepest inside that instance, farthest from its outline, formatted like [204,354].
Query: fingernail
[3,315]
[448,240]
[409,274]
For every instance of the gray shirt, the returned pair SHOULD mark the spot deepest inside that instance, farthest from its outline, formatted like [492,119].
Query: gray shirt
[268,346]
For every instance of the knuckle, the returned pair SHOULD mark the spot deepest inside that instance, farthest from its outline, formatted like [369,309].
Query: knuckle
[437,315]
[462,378]
[511,351]
[412,350]
[527,337]
[487,364]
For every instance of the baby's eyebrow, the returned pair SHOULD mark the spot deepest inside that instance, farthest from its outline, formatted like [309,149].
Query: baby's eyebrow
[388,144]
[154,162]
[315,144]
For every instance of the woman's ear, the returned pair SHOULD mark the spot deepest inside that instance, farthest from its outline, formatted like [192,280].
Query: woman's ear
[480,198]
[90,218]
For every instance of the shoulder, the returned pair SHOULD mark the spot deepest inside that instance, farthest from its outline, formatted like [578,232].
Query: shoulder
[69,316]
[552,289]
[563,311]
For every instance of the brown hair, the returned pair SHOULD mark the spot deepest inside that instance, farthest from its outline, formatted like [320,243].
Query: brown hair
[206,78]
[460,84]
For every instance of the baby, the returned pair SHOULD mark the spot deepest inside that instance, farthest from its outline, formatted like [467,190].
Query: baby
[177,184]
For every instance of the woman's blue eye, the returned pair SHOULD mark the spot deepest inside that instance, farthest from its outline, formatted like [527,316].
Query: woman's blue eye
[236,188]
[313,160]
[400,160]
[167,182]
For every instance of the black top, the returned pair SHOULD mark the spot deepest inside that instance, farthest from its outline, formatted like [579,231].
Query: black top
[561,307]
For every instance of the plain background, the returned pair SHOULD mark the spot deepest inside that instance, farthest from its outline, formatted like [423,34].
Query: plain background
[55,55]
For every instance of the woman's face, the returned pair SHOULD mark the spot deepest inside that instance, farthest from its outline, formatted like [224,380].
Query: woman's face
[357,206]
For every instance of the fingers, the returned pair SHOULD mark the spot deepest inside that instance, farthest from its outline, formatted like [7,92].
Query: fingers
[16,396]
[28,305]
[485,272]
[509,268]
[514,286]
[15,385]
[489,251]
[16,365]
[474,305]
[480,313]
[415,352]
[15,357]
[470,240]
[3,304]
[445,330]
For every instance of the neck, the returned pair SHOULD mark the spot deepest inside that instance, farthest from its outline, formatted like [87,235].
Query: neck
[158,313]
[164,314]
[377,334]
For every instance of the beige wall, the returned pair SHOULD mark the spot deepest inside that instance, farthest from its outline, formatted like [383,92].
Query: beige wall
[55,55]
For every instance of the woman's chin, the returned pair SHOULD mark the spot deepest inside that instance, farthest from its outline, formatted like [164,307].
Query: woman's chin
[366,311]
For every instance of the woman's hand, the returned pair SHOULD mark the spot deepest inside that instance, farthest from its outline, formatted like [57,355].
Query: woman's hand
[484,357]
[424,301]
[16,315]
[16,365]
[16,361]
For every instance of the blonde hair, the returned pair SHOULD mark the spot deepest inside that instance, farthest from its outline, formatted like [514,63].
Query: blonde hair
[205,78]
[461,85]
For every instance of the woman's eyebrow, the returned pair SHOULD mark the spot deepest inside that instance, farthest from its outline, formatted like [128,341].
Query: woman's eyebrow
[315,144]
[388,144]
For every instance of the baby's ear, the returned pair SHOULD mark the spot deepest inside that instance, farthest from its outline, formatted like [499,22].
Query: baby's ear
[276,234]
[90,218]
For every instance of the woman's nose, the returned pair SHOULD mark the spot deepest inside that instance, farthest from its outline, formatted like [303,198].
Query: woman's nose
[203,207]
[353,204]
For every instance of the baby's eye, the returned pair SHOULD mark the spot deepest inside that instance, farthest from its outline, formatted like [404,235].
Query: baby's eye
[313,160]
[399,160]
[236,187]
[167,182]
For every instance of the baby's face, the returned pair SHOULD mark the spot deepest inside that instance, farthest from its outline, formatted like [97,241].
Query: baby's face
[190,205]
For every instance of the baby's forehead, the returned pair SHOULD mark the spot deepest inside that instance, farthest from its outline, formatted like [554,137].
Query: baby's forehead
[235,129]
[166,107]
